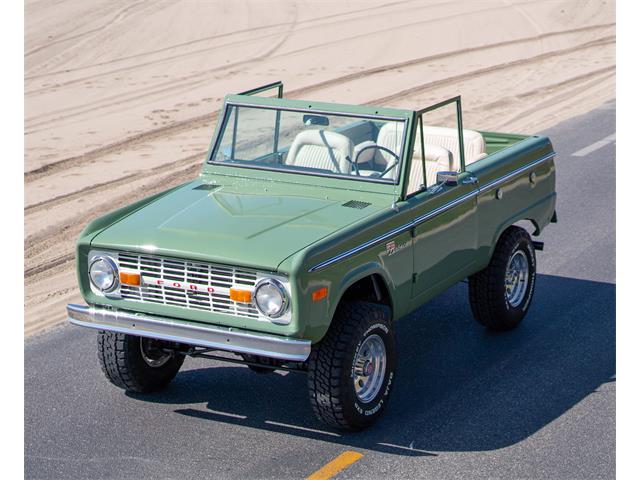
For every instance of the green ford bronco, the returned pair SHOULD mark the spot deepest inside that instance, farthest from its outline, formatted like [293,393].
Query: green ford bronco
[311,230]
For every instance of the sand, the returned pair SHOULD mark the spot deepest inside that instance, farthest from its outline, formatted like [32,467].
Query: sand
[121,98]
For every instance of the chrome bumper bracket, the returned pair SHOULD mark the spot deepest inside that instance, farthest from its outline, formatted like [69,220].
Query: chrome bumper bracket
[211,336]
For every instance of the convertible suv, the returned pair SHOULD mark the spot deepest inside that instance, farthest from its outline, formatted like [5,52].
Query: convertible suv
[311,230]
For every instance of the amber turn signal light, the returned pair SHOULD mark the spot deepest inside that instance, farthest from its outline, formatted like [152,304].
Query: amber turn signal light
[319,294]
[130,278]
[237,295]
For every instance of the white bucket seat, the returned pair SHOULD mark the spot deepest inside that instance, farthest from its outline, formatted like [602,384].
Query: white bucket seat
[321,149]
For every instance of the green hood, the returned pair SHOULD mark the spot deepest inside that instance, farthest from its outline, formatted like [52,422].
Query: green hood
[227,226]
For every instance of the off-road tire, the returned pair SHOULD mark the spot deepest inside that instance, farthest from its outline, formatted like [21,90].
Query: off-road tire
[487,290]
[332,363]
[121,359]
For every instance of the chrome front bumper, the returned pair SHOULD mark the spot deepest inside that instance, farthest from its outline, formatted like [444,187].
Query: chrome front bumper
[162,328]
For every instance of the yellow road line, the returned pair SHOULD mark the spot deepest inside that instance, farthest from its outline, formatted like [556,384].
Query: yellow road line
[336,465]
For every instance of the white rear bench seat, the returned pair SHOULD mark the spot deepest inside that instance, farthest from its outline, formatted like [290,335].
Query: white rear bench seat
[390,136]
[437,159]
[474,146]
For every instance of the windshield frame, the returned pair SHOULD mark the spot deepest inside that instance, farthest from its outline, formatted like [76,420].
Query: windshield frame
[352,111]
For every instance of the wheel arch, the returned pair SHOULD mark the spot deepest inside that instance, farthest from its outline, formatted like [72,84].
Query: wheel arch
[505,226]
[538,216]
[530,220]
[364,282]
[528,224]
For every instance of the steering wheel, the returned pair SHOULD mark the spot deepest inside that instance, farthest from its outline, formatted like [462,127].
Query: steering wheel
[384,149]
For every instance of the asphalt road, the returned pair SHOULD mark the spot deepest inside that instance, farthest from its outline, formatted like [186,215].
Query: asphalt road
[538,402]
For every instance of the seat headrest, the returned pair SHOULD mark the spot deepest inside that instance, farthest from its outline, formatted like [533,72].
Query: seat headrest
[390,136]
[324,138]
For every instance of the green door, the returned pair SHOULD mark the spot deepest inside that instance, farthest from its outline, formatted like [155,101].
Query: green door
[445,239]
[445,221]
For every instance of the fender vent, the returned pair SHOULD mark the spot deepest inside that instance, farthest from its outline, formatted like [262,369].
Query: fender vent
[356,204]
[207,186]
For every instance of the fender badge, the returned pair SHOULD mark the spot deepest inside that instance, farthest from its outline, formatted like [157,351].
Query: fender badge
[391,248]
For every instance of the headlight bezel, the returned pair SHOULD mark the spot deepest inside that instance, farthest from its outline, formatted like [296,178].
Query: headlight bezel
[101,257]
[281,289]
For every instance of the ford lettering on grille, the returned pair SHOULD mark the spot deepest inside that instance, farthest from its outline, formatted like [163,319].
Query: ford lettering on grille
[187,284]
[184,286]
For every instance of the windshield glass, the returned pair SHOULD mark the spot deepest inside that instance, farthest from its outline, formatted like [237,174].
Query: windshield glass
[315,143]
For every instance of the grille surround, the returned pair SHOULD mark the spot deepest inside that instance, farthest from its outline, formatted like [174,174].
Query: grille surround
[212,282]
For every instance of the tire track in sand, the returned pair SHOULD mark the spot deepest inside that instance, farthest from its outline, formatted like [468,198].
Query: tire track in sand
[201,120]
[196,160]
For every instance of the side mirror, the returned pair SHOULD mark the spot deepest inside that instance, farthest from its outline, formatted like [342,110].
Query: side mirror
[449,179]
[315,120]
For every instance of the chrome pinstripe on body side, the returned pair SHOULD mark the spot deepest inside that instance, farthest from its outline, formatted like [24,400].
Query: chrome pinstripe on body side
[443,208]
[359,248]
[395,231]
[515,173]
[430,215]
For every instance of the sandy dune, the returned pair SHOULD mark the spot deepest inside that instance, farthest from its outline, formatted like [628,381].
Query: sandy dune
[121,97]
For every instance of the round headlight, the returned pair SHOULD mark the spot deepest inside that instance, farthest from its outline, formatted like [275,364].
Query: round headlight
[103,273]
[270,297]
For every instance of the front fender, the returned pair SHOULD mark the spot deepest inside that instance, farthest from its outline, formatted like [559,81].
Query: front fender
[357,274]
[317,316]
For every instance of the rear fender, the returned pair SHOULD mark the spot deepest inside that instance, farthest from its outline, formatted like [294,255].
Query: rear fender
[539,214]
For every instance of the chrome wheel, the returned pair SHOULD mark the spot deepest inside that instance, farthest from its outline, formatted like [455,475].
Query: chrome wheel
[517,278]
[370,367]
[152,354]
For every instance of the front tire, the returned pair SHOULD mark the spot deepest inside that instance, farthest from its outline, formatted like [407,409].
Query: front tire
[500,295]
[136,364]
[352,369]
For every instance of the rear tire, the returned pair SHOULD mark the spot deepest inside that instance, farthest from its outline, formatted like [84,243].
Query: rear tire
[500,295]
[352,369]
[136,364]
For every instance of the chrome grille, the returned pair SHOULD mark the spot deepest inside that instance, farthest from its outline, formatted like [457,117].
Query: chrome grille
[219,277]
